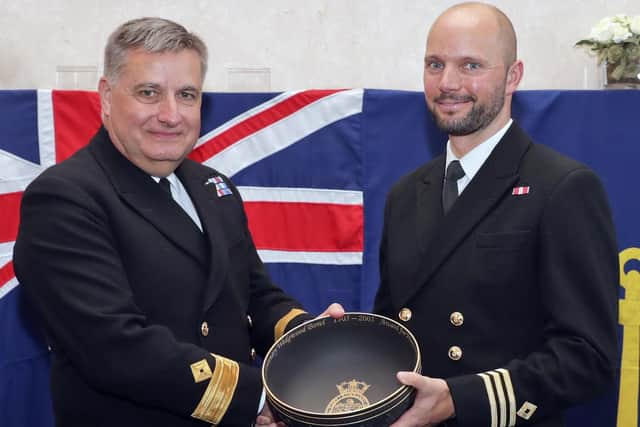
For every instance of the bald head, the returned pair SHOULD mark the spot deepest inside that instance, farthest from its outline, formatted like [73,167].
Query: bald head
[492,19]
[471,72]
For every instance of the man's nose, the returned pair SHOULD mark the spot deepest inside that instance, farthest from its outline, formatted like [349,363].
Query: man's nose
[450,79]
[168,111]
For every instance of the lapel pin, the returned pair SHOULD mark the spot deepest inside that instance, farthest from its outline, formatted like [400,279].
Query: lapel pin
[520,191]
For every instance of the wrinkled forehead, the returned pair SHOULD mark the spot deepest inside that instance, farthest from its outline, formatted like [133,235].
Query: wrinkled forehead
[176,69]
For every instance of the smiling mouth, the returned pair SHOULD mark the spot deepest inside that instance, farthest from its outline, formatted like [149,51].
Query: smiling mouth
[165,135]
[452,100]
[452,104]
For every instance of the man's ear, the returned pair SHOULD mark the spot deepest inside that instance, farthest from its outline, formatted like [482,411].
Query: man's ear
[104,88]
[514,76]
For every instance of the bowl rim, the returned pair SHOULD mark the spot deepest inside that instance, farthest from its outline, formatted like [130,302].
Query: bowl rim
[401,388]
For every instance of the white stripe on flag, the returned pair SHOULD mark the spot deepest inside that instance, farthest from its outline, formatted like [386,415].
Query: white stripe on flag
[6,252]
[7,287]
[287,131]
[334,258]
[16,173]
[46,132]
[300,195]
[255,110]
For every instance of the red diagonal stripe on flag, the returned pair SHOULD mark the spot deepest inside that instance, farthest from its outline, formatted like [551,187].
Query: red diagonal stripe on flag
[76,116]
[257,122]
[306,226]
[6,273]
[10,208]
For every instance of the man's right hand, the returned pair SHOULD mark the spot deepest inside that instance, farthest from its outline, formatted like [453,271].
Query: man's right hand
[334,310]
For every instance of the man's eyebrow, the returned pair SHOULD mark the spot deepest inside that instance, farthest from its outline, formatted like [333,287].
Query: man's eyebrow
[190,87]
[147,85]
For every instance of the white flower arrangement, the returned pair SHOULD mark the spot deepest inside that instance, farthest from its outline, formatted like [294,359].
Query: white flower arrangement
[616,41]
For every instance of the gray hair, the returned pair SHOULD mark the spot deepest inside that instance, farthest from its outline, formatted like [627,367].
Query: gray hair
[153,35]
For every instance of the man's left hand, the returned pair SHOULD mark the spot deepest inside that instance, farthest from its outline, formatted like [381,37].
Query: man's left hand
[433,403]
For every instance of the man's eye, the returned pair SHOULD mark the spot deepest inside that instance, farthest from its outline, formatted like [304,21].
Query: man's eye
[148,93]
[188,97]
[433,65]
[472,66]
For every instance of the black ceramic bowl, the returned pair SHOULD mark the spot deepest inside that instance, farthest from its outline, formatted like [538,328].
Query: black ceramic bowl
[339,372]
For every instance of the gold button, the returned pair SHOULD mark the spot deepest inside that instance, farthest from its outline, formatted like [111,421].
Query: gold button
[253,354]
[456,318]
[405,314]
[249,321]
[455,353]
[204,328]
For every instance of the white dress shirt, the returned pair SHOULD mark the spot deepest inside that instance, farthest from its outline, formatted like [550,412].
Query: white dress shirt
[181,197]
[474,159]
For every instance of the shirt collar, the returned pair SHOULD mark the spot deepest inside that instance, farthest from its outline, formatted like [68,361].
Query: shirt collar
[171,178]
[474,159]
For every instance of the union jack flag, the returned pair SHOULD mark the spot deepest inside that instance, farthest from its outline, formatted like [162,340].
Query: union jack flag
[314,168]
[327,216]
[305,208]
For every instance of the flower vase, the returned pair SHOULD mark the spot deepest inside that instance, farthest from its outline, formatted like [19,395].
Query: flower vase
[630,80]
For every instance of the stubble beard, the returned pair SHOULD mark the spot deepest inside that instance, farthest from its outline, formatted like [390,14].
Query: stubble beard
[480,116]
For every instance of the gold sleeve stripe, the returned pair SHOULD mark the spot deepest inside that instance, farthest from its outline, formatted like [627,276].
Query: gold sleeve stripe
[502,402]
[492,399]
[284,321]
[506,378]
[217,397]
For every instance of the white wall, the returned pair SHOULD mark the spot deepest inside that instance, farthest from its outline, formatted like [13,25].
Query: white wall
[277,45]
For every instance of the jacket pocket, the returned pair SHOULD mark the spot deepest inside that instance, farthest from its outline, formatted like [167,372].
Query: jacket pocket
[503,260]
[504,240]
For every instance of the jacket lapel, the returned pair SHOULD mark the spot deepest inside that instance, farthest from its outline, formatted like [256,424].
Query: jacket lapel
[206,201]
[429,203]
[493,181]
[146,197]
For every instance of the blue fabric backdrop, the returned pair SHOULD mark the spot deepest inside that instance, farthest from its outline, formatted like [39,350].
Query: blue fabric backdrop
[391,136]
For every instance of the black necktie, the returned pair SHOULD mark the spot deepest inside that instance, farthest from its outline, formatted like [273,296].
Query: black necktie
[166,186]
[450,193]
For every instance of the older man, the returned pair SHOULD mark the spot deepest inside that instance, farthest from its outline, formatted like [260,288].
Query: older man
[140,261]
